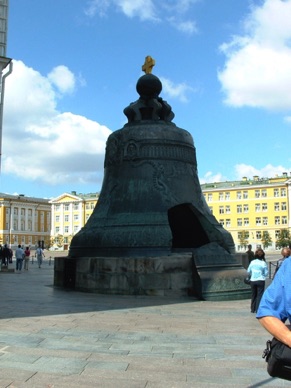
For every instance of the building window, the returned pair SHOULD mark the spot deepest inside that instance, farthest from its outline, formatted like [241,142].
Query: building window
[66,218]
[238,195]
[258,221]
[66,207]
[87,215]
[276,206]
[245,195]
[284,220]
[210,208]
[76,217]
[265,221]
[93,205]
[76,228]
[22,226]
[29,212]
[15,225]
[239,222]
[209,197]
[246,221]
[283,206]
[76,206]
[258,235]
[22,211]
[57,218]
[227,222]
[276,192]
[66,229]
[283,193]
[239,208]
[227,209]
[16,211]
[227,196]
[246,208]
[221,209]
[57,208]
[277,233]
[57,229]
[277,220]
[264,207]
[221,222]
[220,196]
[257,193]
[257,207]
[264,193]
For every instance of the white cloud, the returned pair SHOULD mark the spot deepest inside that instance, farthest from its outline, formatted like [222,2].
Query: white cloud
[188,27]
[209,177]
[97,6]
[148,10]
[41,143]
[257,69]
[63,79]
[143,9]
[178,91]
[245,170]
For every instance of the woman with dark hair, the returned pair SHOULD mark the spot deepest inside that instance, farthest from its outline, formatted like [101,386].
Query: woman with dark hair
[258,271]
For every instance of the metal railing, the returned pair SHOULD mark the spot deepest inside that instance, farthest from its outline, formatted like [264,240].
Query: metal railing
[272,269]
[34,258]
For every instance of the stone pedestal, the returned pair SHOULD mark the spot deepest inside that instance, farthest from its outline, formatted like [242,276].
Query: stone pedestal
[173,275]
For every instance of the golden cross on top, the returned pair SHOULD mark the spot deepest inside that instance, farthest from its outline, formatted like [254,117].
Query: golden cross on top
[148,65]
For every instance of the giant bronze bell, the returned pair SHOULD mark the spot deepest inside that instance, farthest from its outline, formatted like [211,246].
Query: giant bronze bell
[151,204]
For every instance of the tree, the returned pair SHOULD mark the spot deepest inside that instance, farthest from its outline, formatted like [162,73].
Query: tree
[47,242]
[60,240]
[284,239]
[266,239]
[243,238]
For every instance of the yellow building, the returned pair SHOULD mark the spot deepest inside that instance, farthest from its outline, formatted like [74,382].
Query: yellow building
[24,220]
[249,207]
[70,212]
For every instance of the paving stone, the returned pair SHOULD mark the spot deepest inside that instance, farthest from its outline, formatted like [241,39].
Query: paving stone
[50,337]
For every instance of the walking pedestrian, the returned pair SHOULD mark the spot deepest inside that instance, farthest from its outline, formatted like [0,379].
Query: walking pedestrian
[26,258]
[39,255]
[258,270]
[19,254]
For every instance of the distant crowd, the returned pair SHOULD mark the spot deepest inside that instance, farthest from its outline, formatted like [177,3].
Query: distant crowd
[22,257]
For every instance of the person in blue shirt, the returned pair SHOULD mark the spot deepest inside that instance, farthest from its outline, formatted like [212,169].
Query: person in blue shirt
[285,252]
[258,271]
[275,306]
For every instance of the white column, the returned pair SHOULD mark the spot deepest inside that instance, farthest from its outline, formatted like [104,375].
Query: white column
[289,202]
[52,219]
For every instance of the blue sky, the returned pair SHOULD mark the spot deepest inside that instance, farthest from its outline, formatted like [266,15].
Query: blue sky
[224,65]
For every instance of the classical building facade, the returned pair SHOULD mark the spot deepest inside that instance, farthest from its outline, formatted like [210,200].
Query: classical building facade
[249,207]
[24,220]
[70,212]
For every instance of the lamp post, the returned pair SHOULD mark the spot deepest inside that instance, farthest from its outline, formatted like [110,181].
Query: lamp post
[4,62]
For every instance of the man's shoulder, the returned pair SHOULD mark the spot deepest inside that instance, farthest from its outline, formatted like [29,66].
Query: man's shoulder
[286,264]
